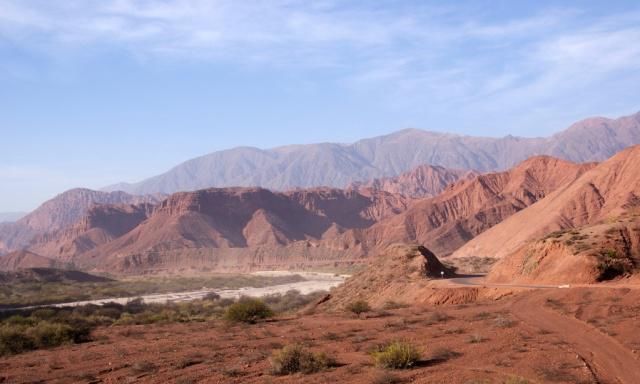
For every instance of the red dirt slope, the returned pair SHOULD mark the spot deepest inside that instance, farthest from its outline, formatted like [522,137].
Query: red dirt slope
[607,191]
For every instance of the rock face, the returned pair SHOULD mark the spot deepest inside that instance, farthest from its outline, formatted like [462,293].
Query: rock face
[423,181]
[100,225]
[25,259]
[60,213]
[469,207]
[237,228]
[392,274]
[338,165]
[240,229]
[583,255]
[403,274]
[608,190]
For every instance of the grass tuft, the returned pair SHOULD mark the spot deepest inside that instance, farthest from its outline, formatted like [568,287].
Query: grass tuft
[397,355]
[296,358]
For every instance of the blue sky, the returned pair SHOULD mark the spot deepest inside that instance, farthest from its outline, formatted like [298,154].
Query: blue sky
[94,92]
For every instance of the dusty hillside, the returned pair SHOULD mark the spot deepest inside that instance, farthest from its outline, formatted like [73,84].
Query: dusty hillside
[606,191]
[403,274]
[100,225]
[469,207]
[423,181]
[237,228]
[248,228]
[60,213]
[586,255]
[25,259]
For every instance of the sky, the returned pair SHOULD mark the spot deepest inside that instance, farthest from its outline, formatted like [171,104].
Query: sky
[94,92]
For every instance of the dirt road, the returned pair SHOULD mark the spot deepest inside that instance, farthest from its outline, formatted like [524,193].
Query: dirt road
[608,360]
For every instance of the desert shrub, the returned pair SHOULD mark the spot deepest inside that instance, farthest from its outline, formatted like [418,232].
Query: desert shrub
[143,367]
[212,296]
[13,340]
[482,316]
[296,358]
[503,322]
[390,304]
[291,301]
[358,307]
[516,380]
[44,334]
[437,317]
[44,313]
[233,372]
[554,235]
[135,306]
[20,320]
[248,310]
[47,334]
[385,377]
[611,264]
[475,339]
[397,355]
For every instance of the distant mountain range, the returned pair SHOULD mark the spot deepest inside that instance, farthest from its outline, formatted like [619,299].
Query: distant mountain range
[465,214]
[338,165]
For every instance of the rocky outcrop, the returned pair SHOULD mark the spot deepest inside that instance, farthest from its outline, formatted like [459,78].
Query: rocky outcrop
[60,213]
[393,274]
[240,228]
[423,181]
[470,207]
[585,255]
[100,225]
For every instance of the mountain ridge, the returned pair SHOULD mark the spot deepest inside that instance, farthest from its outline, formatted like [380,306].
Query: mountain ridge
[338,165]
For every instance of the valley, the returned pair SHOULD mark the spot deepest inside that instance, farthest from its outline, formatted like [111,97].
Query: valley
[529,274]
[577,335]
[322,192]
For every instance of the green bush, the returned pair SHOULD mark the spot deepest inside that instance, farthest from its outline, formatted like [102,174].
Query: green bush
[358,307]
[296,358]
[13,340]
[248,310]
[44,334]
[397,355]
[292,300]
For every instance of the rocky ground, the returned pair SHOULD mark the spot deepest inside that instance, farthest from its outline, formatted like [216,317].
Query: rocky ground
[577,335]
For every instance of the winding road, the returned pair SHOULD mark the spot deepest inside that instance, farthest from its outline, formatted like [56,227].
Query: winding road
[607,359]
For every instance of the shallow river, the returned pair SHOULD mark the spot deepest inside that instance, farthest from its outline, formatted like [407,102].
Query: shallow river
[316,281]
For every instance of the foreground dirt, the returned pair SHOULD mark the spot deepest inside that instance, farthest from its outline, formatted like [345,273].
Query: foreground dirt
[580,335]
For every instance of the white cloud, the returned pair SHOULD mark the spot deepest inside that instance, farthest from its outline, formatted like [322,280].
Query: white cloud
[441,56]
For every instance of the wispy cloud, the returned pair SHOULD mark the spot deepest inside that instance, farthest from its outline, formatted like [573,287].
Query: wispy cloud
[414,54]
